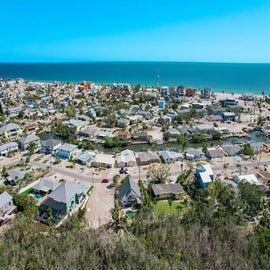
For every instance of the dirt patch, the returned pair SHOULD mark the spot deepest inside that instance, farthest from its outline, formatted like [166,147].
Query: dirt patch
[99,205]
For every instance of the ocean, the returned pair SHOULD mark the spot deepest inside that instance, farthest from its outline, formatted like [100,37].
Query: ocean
[231,78]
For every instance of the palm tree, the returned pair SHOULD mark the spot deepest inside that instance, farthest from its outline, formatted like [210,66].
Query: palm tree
[183,140]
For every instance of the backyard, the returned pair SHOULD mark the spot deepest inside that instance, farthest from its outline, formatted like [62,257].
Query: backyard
[175,208]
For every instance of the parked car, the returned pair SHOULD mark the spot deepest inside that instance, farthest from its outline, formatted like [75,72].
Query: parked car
[105,180]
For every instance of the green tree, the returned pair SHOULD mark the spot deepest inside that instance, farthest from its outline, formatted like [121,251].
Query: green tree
[216,135]
[251,198]
[182,140]
[248,151]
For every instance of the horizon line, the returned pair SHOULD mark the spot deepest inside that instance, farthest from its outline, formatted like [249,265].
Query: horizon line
[128,61]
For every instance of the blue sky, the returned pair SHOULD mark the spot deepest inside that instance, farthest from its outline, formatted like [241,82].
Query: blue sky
[139,30]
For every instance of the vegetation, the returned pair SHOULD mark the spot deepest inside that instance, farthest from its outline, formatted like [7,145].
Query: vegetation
[209,234]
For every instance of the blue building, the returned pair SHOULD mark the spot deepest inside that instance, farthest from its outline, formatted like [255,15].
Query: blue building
[162,104]
[204,175]
[228,116]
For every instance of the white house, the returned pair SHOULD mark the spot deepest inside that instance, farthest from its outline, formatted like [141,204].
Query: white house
[104,160]
[126,159]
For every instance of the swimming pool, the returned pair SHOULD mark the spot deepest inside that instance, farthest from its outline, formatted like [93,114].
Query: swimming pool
[37,197]
[129,214]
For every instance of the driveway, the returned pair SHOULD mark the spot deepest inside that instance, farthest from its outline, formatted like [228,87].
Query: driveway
[99,205]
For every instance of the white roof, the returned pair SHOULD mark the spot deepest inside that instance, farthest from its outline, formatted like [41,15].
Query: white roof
[104,158]
[208,169]
[205,177]
[250,178]
[126,156]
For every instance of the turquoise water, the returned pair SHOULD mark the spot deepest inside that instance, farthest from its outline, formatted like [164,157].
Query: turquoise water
[37,197]
[236,78]
[129,214]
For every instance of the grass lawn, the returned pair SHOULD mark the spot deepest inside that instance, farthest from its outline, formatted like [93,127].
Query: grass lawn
[27,192]
[164,207]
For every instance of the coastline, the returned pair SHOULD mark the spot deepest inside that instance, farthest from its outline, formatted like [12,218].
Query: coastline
[230,78]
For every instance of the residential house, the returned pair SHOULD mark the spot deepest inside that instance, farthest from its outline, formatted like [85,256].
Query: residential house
[126,159]
[104,161]
[204,128]
[180,90]
[88,132]
[104,133]
[194,154]
[7,208]
[63,201]
[174,133]
[11,131]
[206,93]
[215,118]
[231,149]
[146,158]
[74,123]
[7,148]
[122,123]
[228,116]
[50,146]
[25,141]
[256,146]
[129,193]
[67,150]
[16,176]
[45,186]
[204,175]
[85,157]
[30,128]
[141,136]
[168,191]
[214,152]
[123,135]
[170,156]
[250,178]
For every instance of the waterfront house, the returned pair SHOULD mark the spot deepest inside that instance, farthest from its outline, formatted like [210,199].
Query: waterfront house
[194,154]
[45,186]
[62,201]
[85,158]
[214,152]
[88,132]
[123,135]
[146,158]
[204,175]
[215,118]
[170,156]
[67,150]
[50,146]
[11,131]
[74,124]
[102,160]
[7,148]
[27,140]
[228,116]
[174,133]
[206,93]
[104,133]
[168,191]
[231,149]
[204,128]
[129,193]
[141,136]
[7,208]
[126,159]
